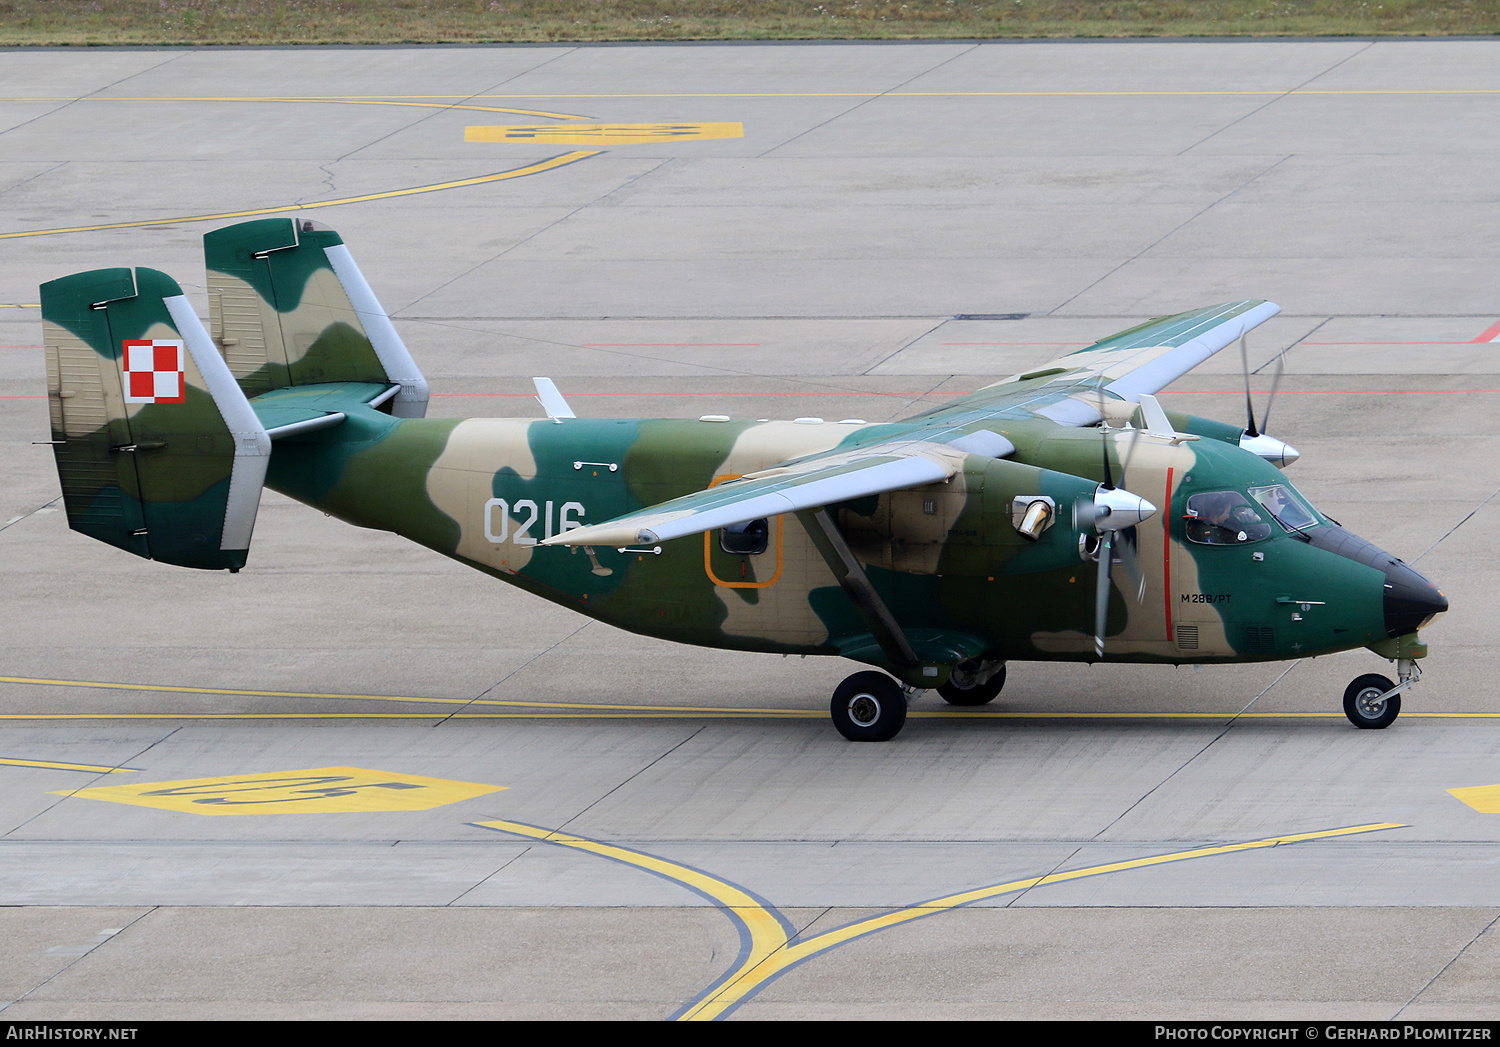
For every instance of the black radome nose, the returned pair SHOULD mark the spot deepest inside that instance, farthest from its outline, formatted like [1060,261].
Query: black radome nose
[1411,601]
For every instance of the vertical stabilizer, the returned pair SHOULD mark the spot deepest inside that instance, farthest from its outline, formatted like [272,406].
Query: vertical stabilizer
[157,448]
[288,306]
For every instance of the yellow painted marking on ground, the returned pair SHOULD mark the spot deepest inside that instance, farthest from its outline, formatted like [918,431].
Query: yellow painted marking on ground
[393,698]
[56,766]
[20,305]
[1006,94]
[750,979]
[519,172]
[768,951]
[327,99]
[1483,798]
[601,134]
[319,790]
[762,933]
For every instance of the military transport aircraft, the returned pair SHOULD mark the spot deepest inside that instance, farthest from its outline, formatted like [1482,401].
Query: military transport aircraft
[1059,514]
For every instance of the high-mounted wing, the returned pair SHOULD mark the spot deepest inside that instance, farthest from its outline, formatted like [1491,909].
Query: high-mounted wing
[1070,391]
[824,479]
[1143,359]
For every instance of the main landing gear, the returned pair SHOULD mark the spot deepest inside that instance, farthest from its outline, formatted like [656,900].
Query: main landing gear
[871,707]
[973,682]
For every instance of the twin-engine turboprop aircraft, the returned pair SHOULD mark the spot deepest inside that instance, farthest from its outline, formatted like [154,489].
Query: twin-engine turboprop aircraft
[1059,514]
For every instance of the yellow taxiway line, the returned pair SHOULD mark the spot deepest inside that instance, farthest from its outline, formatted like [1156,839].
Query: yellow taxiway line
[767,946]
[54,765]
[395,100]
[519,172]
[588,710]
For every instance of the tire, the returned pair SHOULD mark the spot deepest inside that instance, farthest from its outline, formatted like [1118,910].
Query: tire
[868,707]
[1362,708]
[962,690]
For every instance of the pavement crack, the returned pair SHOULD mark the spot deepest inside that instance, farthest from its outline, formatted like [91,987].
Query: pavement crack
[490,875]
[1233,719]
[490,689]
[27,515]
[99,777]
[76,960]
[864,102]
[1459,955]
[628,779]
[1449,533]
[1272,101]
[1168,234]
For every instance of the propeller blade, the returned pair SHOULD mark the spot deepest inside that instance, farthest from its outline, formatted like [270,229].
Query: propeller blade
[1265,418]
[1129,558]
[1249,404]
[1101,590]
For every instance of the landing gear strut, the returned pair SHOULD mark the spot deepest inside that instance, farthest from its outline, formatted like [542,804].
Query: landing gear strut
[973,682]
[869,707]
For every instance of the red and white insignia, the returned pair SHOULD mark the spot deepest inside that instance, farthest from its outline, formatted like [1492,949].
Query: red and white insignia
[153,371]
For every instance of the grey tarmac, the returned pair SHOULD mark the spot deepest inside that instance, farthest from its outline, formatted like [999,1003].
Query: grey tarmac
[853,254]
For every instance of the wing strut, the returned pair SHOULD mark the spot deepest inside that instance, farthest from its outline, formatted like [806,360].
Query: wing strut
[872,609]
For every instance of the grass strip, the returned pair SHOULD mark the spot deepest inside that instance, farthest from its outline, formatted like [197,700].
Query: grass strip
[248,22]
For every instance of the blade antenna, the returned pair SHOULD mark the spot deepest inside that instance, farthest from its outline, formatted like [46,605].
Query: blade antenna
[1249,405]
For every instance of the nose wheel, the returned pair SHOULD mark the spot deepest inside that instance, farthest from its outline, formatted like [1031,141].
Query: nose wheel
[1369,703]
[869,707]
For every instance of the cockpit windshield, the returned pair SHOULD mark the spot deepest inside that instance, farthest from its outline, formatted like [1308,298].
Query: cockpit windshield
[1285,507]
[1224,518]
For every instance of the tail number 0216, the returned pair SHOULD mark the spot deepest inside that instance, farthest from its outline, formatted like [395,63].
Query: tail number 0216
[497,514]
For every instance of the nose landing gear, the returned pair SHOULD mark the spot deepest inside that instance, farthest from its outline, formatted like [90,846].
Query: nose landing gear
[1373,702]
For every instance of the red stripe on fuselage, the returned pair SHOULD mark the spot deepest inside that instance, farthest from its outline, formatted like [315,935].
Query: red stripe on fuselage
[1166,554]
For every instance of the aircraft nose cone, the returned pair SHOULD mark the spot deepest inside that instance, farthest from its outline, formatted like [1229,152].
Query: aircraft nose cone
[1411,601]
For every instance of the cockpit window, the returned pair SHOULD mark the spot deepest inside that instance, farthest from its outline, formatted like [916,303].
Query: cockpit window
[1224,518]
[1283,504]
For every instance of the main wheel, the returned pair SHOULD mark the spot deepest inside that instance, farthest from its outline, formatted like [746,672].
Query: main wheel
[1364,705]
[869,707]
[963,686]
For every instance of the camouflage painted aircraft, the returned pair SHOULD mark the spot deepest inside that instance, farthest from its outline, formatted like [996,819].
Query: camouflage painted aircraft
[1059,514]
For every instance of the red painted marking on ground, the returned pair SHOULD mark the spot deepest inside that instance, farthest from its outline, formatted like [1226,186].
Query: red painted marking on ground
[1491,334]
[665,345]
[720,395]
[1017,343]
[1324,392]
[1390,343]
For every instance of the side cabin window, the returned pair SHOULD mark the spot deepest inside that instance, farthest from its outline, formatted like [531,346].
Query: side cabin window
[745,539]
[1224,518]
